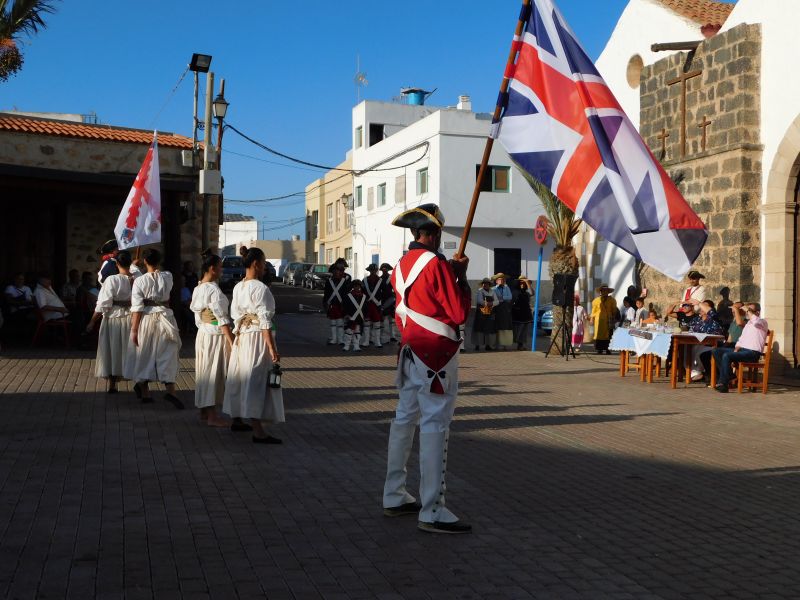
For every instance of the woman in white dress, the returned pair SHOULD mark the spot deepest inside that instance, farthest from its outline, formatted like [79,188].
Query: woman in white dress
[113,306]
[155,340]
[247,391]
[213,342]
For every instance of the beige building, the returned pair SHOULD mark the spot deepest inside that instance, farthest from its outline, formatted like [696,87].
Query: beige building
[328,216]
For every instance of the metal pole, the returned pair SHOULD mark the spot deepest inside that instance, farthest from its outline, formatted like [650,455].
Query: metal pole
[536,302]
[207,154]
[220,129]
[194,123]
[498,109]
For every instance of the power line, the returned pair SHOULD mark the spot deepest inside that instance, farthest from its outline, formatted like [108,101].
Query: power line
[426,144]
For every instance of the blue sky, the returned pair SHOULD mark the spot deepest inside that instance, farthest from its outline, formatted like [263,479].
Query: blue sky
[288,68]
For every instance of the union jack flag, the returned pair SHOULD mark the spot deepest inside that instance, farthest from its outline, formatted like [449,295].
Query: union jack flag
[562,124]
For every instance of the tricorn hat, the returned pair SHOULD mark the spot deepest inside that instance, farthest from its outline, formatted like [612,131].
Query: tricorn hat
[695,275]
[356,282]
[108,247]
[604,286]
[372,267]
[424,215]
[486,280]
[386,267]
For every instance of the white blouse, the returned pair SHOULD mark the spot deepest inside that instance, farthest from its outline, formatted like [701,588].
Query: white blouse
[250,296]
[154,286]
[115,288]
[208,295]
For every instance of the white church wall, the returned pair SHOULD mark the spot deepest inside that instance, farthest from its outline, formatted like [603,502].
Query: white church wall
[642,23]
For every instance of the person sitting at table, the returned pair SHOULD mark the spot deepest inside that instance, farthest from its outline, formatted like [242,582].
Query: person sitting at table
[628,312]
[652,318]
[683,314]
[749,347]
[734,333]
[707,323]
[641,311]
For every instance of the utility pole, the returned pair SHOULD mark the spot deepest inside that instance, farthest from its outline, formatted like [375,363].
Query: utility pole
[207,159]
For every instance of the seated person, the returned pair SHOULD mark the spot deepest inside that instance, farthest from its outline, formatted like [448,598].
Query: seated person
[652,318]
[18,296]
[683,314]
[705,322]
[734,333]
[69,290]
[748,348]
[48,301]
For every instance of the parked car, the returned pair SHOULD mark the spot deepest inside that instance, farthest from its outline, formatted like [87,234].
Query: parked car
[293,275]
[315,277]
[270,274]
[545,320]
[232,272]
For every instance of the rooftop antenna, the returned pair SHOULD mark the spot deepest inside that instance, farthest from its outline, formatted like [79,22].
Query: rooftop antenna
[360,79]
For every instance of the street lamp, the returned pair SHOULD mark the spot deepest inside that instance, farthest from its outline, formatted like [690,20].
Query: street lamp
[200,63]
[220,107]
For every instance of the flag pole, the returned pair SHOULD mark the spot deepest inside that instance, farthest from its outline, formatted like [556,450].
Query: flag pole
[498,109]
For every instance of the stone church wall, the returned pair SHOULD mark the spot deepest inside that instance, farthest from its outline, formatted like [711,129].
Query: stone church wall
[721,180]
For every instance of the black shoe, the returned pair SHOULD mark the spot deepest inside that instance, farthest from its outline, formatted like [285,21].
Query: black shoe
[239,426]
[489,349]
[148,400]
[477,348]
[608,352]
[520,347]
[174,400]
[721,388]
[137,389]
[409,508]
[112,391]
[439,527]
[266,440]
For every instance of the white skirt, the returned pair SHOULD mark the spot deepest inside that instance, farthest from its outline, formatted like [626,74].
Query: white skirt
[112,346]
[210,363]
[247,391]
[156,357]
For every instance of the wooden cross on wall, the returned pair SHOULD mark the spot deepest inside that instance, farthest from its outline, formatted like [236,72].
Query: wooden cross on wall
[703,125]
[663,137]
[683,78]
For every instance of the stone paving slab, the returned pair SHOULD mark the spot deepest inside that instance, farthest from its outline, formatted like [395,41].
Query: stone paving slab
[579,484]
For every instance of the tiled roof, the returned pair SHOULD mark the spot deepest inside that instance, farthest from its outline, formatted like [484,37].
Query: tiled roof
[704,12]
[22,124]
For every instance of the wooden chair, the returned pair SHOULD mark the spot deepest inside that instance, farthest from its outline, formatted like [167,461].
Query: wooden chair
[748,371]
[43,325]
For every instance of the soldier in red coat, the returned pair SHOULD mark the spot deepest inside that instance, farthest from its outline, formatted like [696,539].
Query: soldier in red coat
[336,287]
[432,301]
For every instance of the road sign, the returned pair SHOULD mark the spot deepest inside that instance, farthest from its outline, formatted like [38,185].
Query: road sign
[540,232]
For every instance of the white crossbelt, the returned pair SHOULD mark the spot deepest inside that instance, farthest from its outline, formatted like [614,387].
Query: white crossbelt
[336,289]
[359,307]
[403,311]
[373,293]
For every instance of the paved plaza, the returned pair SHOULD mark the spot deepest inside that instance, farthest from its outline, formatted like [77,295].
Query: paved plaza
[579,484]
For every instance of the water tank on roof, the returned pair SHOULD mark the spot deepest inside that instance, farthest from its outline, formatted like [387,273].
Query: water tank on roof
[414,96]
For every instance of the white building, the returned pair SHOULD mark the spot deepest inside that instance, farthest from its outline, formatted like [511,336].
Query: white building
[420,154]
[237,230]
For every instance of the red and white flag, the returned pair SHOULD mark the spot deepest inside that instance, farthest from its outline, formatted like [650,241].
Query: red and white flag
[139,223]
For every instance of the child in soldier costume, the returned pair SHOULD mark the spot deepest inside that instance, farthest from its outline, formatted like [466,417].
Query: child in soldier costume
[336,287]
[373,289]
[389,331]
[355,306]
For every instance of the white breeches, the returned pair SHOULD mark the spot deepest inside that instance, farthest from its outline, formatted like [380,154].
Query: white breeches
[417,404]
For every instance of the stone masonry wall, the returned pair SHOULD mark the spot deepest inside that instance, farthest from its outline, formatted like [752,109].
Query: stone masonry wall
[723,182]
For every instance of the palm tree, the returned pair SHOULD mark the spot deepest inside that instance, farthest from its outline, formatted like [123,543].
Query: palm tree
[562,226]
[18,17]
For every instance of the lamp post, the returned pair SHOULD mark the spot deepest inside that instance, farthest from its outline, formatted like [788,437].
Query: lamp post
[200,63]
[220,110]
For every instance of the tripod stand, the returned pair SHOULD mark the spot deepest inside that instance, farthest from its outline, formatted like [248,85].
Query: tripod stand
[565,331]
